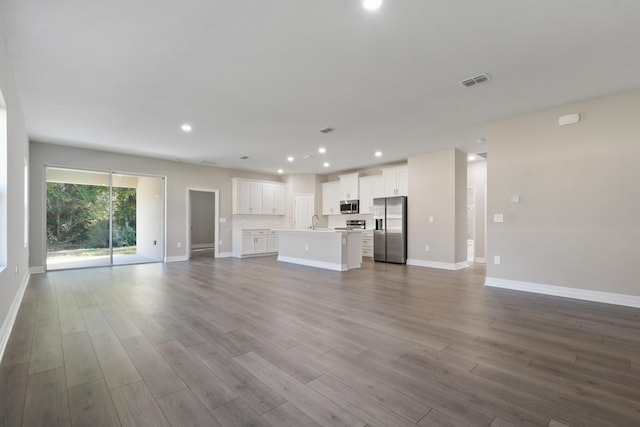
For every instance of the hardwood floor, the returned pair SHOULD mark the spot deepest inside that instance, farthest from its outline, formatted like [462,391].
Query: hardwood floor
[255,342]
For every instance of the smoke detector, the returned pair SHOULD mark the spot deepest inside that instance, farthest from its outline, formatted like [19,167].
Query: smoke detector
[476,80]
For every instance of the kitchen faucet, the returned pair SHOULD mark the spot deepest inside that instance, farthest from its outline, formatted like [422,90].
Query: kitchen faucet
[313,224]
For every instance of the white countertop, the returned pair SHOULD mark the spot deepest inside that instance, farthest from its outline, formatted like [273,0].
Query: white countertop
[317,230]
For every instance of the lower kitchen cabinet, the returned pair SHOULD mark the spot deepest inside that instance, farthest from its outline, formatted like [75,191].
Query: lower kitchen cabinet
[367,243]
[272,242]
[254,242]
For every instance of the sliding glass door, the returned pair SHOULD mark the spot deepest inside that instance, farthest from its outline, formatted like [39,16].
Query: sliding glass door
[100,218]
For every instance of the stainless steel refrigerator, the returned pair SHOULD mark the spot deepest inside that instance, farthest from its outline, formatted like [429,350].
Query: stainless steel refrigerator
[390,231]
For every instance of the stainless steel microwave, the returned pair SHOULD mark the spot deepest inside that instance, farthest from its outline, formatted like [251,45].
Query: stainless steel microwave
[349,206]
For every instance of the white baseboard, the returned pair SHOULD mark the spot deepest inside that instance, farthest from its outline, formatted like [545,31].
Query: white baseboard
[224,255]
[480,260]
[560,291]
[203,245]
[436,264]
[178,258]
[7,324]
[36,270]
[312,263]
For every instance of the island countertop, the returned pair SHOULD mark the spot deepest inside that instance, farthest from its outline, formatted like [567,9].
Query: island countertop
[317,230]
[323,247]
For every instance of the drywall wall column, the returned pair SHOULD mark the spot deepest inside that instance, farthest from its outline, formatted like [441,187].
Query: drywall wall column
[149,217]
[437,209]
[14,277]
[577,223]
[460,208]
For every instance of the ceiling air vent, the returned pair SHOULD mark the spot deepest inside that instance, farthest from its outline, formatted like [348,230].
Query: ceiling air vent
[326,130]
[481,78]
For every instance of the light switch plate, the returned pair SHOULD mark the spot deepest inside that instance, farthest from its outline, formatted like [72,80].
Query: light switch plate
[496,259]
[498,218]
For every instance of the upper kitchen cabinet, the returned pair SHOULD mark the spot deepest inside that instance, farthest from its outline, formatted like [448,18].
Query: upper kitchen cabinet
[396,181]
[331,198]
[371,187]
[273,199]
[349,187]
[257,197]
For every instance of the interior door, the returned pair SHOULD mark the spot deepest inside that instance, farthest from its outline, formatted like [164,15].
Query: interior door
[303,210]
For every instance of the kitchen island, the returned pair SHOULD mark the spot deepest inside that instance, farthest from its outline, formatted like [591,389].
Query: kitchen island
[331,249]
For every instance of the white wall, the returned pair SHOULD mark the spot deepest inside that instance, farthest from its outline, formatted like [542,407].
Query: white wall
[178,175]
[577,225]
[150,217]
[13,283]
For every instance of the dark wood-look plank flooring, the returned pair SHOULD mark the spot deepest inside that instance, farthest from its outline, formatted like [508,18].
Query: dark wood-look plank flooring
[233,342]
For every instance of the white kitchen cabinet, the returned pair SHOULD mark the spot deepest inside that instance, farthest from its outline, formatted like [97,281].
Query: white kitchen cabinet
[367,243]
[272,242]
[254,242]
[396,181]
[257,197]
[273,199]
[349,187]
[248,245]
[371,187]
[331,198]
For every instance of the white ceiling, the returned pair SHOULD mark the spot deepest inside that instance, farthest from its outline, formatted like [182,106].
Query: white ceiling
[261,78]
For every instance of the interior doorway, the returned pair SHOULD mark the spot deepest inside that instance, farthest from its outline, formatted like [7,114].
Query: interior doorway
[202,219]
[471,224]
[303,210]
[96,218]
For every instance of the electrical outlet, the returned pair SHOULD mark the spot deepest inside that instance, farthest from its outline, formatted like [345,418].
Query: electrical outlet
[179,244]
[498,218]
[17,269]
[220,243]
[431,219]
[496,259]
[427,248]
[306,247]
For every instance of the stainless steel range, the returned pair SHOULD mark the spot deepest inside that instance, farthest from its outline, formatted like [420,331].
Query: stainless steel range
[354,224]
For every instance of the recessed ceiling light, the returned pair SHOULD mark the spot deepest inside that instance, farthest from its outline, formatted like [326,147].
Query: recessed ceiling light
[186,127]
[280,171]
[471,157]
[378,153]
[326,164]
[322,150]
[290,159]
[371,4]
